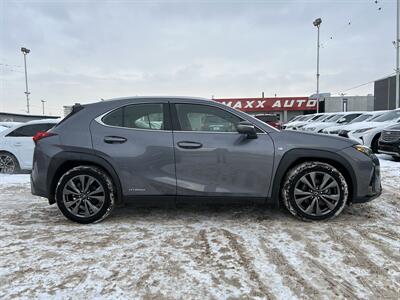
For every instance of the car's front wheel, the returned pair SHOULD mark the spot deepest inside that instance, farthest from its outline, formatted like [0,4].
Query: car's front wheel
[85,194]
[315,191]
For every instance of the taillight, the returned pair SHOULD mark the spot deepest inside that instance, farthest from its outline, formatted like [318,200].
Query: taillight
[41,135]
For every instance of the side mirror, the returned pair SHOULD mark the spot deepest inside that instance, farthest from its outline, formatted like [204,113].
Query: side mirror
[248,129]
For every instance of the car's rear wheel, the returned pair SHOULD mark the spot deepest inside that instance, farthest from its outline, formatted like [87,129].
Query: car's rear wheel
[315,191]
[85,194]
[8,163]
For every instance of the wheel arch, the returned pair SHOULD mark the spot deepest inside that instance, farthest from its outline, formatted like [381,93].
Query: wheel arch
[68,160]
[298,156]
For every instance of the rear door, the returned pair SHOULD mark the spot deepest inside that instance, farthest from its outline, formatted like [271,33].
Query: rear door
[213,159]
[137,140]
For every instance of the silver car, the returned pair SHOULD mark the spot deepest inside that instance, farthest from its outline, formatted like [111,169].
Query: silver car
[105,153]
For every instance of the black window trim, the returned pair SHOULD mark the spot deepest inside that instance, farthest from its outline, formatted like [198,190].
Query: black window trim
[166,117]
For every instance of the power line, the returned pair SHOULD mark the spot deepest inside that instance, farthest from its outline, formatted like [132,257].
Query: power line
[366,83]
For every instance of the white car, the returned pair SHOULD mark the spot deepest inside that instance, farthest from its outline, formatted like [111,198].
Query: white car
[368,133]
[365,117]
[6,125]
[334,119]
[304,121]
[16,145]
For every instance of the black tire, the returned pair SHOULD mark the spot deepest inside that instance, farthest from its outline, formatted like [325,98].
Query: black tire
[9,157]
[294,179]
[101,179]
[375,143]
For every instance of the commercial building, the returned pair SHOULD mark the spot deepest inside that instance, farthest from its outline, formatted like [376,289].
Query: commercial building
[347,103]
[289,107]
[285,107]
[385,93]
[11,117]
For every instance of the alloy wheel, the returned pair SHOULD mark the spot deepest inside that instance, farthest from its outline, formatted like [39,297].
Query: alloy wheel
[317,193]
[7,164]
[83,196]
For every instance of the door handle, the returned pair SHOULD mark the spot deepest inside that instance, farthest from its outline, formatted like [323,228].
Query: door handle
[17,144]
[189,145]
[114,139]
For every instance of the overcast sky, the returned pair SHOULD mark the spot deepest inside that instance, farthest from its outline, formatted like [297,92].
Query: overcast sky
[82,51]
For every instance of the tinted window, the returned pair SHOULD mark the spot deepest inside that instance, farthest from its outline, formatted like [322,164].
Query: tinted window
[30,130]
[114,118]
[194,117]
[268,118]
[140,116]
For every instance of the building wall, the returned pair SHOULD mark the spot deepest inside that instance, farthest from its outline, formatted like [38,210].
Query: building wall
[385,93]
[10,117]
[354,103]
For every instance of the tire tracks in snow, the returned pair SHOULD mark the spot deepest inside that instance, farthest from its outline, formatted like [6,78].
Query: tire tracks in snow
[336,283]
[357,256]
[247,263]
[292,279]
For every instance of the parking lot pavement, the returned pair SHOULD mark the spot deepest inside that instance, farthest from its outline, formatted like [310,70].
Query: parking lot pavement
[199,252]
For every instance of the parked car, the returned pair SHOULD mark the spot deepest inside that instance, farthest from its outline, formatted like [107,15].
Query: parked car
[16,145]
[296,125]
[6,125]
[368,133]
[389,142]
[334,119]
[365,117]
[270,119]
[107,152]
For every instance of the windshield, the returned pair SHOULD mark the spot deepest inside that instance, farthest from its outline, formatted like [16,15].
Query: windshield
[391,115]
[347,118]
[361,118]
[333,118]
[317,117]
[394,127]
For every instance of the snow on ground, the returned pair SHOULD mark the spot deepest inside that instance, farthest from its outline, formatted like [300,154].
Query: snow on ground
[199,252]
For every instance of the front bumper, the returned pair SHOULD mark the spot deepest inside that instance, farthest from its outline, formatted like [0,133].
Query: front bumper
[391,148]
[374,189]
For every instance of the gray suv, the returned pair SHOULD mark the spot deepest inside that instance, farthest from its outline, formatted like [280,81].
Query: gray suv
[105,153]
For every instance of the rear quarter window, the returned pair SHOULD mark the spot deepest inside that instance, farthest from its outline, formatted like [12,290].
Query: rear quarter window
[30,130]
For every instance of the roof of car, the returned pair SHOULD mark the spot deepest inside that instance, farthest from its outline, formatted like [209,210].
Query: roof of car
[158,97]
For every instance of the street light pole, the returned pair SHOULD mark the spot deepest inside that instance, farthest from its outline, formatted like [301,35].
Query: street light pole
[43,101]
[397,55]
[317,23]
[25,51]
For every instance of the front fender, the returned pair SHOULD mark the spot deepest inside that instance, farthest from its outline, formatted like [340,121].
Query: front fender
[298,155]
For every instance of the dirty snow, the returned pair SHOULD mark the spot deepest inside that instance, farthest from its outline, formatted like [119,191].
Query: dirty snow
[199,252]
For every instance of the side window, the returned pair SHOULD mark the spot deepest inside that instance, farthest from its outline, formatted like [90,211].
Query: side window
[114,118]
[30,130]
[194,117]
[140,116]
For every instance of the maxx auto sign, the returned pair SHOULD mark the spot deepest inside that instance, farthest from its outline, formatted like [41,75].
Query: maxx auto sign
[270,104]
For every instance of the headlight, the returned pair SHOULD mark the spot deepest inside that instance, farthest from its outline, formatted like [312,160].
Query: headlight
[363,130]
[363,149]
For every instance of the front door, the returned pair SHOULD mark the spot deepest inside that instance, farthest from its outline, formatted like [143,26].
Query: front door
[137,140]
[213,159]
